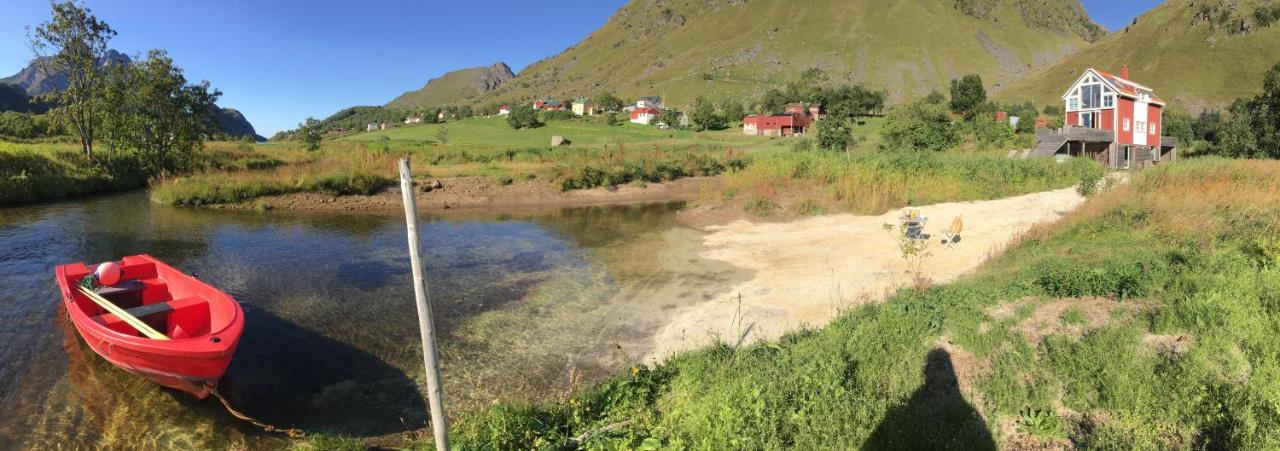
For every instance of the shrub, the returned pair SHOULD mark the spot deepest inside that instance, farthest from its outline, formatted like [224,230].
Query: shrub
[922,125]
[759,206]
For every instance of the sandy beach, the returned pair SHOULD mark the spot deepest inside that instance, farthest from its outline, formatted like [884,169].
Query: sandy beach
[805,272]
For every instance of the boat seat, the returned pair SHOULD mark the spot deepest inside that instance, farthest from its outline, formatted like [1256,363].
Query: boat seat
[142,312]
[150,309]
[126,294]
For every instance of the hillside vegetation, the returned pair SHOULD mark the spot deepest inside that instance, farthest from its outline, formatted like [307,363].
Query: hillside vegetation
[1196,54]
[737,49]
[1143,320]
[455,87]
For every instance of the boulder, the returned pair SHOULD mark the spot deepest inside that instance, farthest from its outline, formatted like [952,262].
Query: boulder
[558,140]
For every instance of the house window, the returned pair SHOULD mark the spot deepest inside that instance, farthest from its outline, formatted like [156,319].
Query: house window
[1091,96]
[1108,101]
[1089,120]
[1153,128]
[1073,104]
[1142,125]
[1126,125]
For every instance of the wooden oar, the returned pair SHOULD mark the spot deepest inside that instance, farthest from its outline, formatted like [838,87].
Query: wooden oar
[123,315]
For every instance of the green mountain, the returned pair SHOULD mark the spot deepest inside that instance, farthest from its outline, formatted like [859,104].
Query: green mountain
[738,48]
[455,87]
[1196,54]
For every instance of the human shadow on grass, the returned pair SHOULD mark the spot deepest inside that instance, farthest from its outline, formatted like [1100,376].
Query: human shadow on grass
[936,416]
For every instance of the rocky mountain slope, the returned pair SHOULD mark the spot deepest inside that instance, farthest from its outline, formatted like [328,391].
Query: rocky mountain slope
[1197,54]
[738,48]
[456,87]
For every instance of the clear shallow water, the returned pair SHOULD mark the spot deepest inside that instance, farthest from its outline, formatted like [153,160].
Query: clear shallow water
[527,306]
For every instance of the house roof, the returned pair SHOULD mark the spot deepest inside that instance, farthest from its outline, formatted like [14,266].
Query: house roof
[1123,86]
[772,121]
[639,111]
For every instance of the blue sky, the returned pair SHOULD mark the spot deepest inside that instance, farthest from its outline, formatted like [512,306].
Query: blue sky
[281,61]
[1117,14]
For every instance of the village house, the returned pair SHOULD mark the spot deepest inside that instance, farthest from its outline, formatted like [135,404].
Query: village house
[644,116]
[504,110]
[386,126]
[413,120]
[649,102]
[371,127]
[790,124]
[548,105]
[1111,119]
[442,116]
[795,119]
[585,107]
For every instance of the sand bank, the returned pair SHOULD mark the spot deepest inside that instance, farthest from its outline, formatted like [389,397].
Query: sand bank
[805,272]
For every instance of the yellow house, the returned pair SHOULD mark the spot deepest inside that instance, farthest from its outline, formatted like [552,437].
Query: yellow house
[584,107]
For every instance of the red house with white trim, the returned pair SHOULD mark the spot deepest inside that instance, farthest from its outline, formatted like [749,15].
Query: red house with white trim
[1111,119]
[644,116]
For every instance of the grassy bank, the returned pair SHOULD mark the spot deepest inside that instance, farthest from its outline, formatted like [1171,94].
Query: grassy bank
[1145,320]
[38,172]
[874,182]
[601,155]
[33,172]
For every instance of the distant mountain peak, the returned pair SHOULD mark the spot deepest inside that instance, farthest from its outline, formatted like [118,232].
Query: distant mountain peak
[34,81]
[456,86]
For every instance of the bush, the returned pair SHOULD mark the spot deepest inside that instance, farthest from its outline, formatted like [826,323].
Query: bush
[344,184]
[556,115]
[834,134]
[922,125]
[759,206]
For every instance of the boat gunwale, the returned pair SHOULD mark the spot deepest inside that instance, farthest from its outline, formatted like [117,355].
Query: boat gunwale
[204,347]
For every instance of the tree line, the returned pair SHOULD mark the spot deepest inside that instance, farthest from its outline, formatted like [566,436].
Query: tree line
[146,110]
[1250,127]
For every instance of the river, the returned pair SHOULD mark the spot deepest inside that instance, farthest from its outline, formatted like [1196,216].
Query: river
[529,306]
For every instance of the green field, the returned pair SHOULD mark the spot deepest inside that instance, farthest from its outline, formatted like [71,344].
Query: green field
[1143,320]
[494,133]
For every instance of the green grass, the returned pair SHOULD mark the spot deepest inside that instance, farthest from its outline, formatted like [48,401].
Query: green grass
[39,172]
[1195,240]
[873,182]
[490,134]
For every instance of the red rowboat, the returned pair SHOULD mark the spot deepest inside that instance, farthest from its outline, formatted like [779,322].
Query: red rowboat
[192,328]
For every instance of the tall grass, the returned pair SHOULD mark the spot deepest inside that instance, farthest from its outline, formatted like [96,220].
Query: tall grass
[876,182]
[333,173]
[346,167]
[38,172]
[1196,242]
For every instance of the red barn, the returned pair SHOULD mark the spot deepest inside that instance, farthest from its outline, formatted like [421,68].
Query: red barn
[775,125]
[1111,119]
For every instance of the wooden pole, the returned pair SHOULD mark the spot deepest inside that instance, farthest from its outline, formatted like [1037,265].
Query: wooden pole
[439,422]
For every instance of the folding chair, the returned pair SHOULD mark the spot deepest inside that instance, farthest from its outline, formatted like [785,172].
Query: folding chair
[951,236]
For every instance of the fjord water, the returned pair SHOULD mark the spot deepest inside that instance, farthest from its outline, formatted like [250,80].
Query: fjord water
[527,306]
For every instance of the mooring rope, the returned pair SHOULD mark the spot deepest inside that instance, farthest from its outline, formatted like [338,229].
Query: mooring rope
[291,432]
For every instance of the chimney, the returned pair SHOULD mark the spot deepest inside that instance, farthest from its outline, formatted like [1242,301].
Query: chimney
[1124,72]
